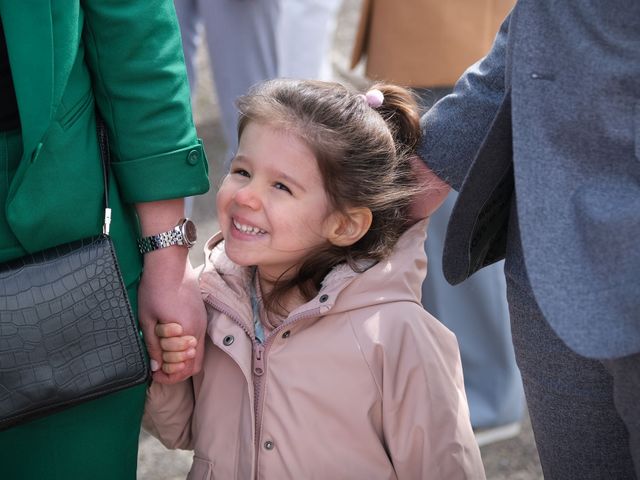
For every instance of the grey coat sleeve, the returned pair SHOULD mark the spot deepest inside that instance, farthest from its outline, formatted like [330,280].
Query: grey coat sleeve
[454,128]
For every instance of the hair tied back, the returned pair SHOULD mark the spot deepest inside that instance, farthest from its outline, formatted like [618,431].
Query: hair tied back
[374,98]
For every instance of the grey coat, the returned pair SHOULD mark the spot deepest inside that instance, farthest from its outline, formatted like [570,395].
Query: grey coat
[550,119]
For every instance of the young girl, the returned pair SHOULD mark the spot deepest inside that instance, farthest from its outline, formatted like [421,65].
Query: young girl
[320,362]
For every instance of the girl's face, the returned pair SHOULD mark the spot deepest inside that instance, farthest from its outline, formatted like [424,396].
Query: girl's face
[272,206]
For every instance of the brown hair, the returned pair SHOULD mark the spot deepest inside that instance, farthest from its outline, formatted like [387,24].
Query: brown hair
[363,156]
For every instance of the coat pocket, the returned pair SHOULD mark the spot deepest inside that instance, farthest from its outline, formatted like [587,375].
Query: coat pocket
[201,469]
[76,111]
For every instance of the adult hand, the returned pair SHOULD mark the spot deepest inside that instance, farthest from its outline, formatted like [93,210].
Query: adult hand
[434,191]
[169,293]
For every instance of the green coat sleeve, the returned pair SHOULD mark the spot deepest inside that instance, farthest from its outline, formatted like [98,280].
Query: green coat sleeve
[134,53]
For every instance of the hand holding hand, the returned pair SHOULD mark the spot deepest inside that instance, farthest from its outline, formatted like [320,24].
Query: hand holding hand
[169,294]
[176,347]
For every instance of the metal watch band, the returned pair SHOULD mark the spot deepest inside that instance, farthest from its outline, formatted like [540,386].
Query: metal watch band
[182,234]
[161,240]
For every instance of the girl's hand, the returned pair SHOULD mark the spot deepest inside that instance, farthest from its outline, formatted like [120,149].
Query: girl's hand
[176,347]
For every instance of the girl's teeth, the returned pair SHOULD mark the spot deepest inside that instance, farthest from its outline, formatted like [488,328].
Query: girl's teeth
[247,229]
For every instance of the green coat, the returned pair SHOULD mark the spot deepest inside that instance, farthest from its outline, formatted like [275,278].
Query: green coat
[67,56]
[126,56]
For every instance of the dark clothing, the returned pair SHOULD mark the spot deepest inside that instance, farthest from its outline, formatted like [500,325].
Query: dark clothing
[547,125]
[9,119]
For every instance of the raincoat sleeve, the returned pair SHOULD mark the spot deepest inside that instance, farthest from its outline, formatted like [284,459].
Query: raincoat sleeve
[426,421]
[168,412]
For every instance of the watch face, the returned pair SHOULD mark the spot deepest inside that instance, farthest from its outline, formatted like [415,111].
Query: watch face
[189,229]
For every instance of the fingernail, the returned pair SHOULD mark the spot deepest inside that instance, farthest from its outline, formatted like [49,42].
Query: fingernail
[154,365]
[191,353]
[193,342]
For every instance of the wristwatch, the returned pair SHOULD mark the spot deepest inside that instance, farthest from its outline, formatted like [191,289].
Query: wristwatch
[184,233]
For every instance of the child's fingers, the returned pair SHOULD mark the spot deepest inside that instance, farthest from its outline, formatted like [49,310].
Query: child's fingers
[164,330]
[178,344]
[170,368]
[178,357]
[176,348]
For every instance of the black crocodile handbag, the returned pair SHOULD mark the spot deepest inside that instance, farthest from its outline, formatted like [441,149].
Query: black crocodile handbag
[67,332]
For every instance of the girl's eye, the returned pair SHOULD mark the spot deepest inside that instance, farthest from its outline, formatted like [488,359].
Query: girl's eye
[240,171]
[282,186]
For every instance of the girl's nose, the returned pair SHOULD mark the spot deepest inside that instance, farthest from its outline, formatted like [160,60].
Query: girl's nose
[248,196]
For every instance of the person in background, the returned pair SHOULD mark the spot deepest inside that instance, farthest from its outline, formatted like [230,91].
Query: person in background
[250,41]
[427,45]
[242,42]
[305,38]
[59,63]
[540,138]
[320,360]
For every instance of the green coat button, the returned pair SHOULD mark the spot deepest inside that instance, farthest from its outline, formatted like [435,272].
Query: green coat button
[194,157]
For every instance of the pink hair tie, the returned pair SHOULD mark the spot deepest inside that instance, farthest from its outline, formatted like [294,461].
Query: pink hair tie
[374,98]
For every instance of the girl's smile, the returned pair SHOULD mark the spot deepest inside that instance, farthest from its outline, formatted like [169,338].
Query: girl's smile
[244,229]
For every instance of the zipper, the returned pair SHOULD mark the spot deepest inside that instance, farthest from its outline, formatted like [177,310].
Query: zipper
[257,367]
[259,359]
[229,312]
[290,321]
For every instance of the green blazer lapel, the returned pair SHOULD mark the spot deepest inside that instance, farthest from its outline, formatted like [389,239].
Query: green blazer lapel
[29,34]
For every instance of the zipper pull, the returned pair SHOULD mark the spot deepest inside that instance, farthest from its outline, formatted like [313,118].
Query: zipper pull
[258,360]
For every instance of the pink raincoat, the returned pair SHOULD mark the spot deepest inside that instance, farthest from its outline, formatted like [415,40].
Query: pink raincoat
[359,383]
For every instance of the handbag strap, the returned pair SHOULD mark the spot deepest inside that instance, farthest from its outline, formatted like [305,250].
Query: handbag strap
[105,155]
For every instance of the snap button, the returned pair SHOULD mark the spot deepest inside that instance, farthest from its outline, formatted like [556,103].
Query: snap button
[286,334]
[324,298]
[228,340]
[193,157]
[535,76]
[269,445]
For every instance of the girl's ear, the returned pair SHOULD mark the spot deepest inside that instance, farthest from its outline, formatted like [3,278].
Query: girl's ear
[347,228]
